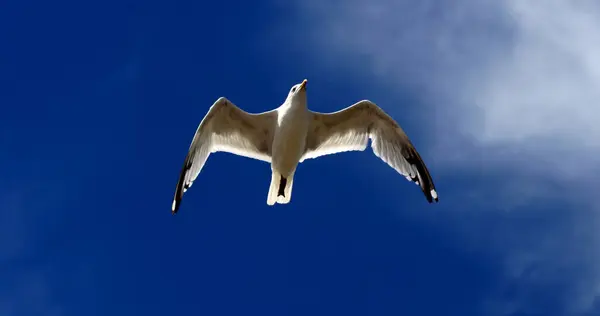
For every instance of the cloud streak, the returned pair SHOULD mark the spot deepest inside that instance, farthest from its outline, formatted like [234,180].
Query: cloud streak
[508,72]
[514,87]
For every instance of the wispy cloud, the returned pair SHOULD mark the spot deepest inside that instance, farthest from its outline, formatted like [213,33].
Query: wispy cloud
[507,71]
[513,87]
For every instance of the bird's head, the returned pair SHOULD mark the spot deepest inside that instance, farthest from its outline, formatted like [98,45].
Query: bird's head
[298,93]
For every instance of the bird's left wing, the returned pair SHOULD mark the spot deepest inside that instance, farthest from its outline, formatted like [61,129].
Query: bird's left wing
[350,130]
[225,128]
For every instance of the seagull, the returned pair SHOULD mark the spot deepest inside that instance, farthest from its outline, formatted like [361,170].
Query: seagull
[292,133]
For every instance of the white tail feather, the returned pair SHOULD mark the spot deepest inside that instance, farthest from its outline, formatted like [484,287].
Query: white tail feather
[272,197]
[287,191]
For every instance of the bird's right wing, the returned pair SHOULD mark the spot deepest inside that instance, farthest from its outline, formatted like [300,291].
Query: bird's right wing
[350,130]
[225,128]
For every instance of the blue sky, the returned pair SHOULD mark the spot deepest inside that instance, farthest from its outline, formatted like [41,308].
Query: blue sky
[101,99]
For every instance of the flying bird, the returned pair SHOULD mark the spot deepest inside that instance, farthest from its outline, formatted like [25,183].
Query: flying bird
[292,133]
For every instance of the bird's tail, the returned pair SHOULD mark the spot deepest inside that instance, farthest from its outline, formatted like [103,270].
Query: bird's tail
[280,190]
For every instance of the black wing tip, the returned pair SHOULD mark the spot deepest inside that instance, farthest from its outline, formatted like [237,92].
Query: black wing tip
[181,187]
[177,199]
[422,178]
[430,192]
[175,206]
[431,196]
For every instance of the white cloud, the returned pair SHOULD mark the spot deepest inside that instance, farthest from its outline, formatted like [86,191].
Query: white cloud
[547,86]
[504,71]
[514,86]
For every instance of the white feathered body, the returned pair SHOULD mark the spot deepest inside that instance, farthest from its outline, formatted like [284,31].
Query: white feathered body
[289,140]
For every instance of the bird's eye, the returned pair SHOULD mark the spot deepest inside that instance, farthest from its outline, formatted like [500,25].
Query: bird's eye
[293,89]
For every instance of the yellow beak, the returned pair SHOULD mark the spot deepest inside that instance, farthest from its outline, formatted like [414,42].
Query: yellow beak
[303,84]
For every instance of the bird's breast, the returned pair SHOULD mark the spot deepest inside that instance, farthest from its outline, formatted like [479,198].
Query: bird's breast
[289,140]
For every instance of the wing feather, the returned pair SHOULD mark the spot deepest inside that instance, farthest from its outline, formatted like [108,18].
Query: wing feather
[225,128]
[350,130]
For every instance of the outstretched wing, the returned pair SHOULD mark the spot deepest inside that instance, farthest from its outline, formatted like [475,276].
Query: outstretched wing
[225,128]
[350,130]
